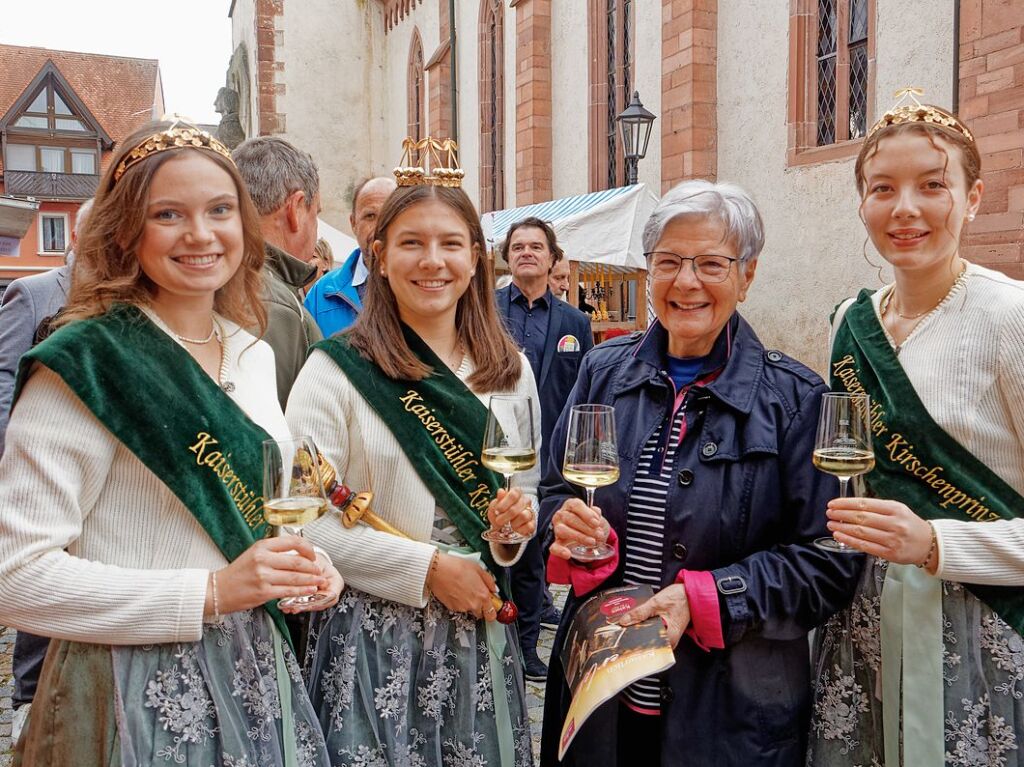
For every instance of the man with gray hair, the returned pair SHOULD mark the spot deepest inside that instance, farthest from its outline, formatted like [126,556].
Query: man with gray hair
[284,183]
[27,307]
[337,298]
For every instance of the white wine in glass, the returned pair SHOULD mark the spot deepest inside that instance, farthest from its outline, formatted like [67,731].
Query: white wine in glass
[843,446]
[508,449]
[591,461]
[294,489]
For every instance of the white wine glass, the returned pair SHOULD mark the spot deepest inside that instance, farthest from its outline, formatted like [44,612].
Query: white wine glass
[843,446]
[294,490]
[591,461]
[508,448]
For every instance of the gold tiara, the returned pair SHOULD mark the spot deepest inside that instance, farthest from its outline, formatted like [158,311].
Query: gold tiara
[908,109]
[179,134]
[429,161]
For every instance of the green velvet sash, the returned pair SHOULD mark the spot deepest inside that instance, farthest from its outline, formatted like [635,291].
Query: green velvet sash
[156,400]
[916,461]
[440,425]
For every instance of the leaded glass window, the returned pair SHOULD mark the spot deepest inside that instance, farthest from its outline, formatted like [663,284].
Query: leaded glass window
[842,70]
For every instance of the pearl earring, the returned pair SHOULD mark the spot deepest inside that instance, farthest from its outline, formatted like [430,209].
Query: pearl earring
[970,216]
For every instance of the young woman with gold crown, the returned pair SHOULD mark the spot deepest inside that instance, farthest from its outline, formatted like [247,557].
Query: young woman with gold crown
[131,486]
[411,667]
[926,667]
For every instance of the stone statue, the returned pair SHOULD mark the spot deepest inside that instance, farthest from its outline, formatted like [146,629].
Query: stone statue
[230,131]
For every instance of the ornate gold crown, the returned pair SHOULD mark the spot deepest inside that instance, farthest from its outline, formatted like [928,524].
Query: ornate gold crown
[179,134]
[436,163]
[908,109]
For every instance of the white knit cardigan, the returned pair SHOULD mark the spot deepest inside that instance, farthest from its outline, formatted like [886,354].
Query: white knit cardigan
[966,363]
[324,405]
[93,546]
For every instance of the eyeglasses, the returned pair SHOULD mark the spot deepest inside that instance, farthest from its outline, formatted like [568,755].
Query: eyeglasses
[664,266]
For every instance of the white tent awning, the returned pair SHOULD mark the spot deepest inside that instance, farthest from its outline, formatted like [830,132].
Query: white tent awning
[597,228]
[341,244]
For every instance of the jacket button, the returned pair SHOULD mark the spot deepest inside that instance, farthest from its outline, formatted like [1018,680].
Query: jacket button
[709,449]
[667,695]
[775,356]
[685,478]
[679,551]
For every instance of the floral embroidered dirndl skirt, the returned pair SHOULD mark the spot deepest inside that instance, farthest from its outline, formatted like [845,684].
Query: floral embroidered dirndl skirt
[397,686]
[982,680]
[217,702]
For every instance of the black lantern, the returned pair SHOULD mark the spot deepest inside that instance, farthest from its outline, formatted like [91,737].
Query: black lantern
[635,125]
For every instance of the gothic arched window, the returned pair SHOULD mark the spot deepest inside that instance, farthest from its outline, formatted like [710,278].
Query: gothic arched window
[611,81]
[492,103]
[416,97]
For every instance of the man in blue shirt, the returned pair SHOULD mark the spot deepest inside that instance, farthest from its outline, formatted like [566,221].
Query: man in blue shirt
[554,336]
[336,299]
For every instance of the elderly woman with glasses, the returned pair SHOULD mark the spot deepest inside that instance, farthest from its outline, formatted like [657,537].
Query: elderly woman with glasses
[716,507]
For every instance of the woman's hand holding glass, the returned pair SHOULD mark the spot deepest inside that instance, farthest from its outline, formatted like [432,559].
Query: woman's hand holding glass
[273,568]
[577,525]
[508,448]
[513,511]
[889,530]
[592,461]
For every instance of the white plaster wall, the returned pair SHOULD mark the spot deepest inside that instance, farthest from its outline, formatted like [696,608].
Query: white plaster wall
[813,252]
[570,76]
[647,80]
[331,100]
[243,30]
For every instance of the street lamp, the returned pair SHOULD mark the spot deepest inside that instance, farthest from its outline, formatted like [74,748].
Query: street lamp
[635,125]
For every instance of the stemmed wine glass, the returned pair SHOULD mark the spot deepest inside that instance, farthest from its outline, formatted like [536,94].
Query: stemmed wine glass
[508,448]
[843,446]
[294,491]
[591,461]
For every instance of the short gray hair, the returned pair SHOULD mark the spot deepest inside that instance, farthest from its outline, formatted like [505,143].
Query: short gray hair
[273,169]
[697,199]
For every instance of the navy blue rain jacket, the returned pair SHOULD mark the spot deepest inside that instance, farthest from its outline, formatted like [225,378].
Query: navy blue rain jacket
[746,504]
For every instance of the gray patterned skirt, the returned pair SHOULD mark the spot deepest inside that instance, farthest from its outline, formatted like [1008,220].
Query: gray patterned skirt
[217,702]
[983,682]
[397,686]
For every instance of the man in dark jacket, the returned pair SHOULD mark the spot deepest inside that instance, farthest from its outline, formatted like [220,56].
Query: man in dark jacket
[554,336]
[285,186]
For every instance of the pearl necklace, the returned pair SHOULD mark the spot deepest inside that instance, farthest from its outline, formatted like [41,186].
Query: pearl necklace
[226,386]
[199,341]
[887,303]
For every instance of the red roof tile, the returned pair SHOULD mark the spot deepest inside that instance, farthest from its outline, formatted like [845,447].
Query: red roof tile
[122,93]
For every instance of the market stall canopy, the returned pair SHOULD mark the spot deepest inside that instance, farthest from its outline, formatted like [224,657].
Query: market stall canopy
[597,228]
[16,216]
[341,244]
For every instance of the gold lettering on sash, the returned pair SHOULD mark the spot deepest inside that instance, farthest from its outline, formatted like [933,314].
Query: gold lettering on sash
[462,460]
[249,505]
[901,452]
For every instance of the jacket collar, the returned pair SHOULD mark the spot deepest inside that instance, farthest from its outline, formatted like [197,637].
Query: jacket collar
[291,271]
[737,347]
[338,282]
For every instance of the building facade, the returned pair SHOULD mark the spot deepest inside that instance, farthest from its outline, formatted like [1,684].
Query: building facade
[775,96]
[61,115]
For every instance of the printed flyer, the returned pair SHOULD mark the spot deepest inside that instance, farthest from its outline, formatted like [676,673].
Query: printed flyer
[602,658]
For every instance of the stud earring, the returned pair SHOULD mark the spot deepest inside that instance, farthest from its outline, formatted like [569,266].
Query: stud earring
[970,216]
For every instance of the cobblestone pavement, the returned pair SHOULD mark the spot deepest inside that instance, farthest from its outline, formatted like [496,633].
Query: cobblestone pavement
[6,691]
[534,690]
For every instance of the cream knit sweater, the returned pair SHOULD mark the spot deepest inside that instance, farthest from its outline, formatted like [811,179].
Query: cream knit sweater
[324,405]
[136,562]
[966,362]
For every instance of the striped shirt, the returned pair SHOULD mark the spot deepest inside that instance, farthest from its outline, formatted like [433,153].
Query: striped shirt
[645,533]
